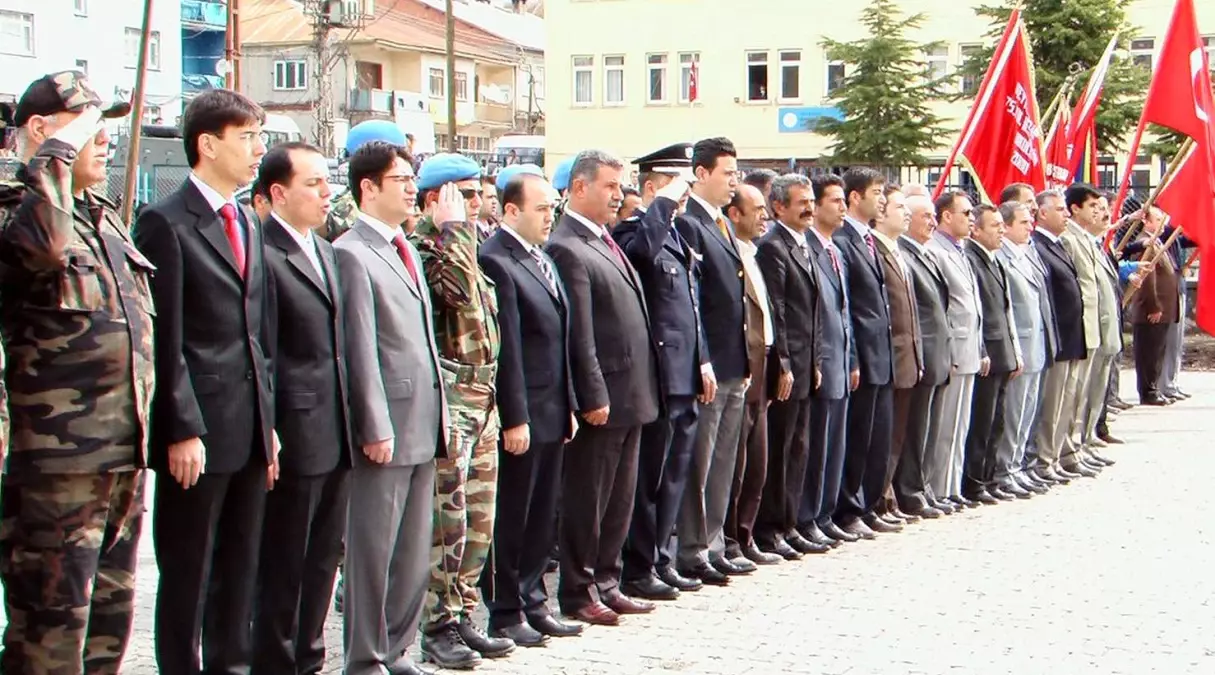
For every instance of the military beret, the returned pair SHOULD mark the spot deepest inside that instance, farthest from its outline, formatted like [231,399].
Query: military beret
[373,130]
[506,174]
[446,167]
[561,175]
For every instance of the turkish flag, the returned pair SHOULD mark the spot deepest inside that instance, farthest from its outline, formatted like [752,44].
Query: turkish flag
[693,84]
[1059,150]
[1001,140]
[1180,99]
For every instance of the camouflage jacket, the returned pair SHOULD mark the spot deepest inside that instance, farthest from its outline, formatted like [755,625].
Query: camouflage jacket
[10,198]
[77,326]
[342,214]
[465,299]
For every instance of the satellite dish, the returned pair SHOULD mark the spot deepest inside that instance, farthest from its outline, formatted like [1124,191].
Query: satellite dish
[222,67]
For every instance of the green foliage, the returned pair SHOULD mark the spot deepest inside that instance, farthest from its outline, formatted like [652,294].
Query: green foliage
[887,94]
[1063,32]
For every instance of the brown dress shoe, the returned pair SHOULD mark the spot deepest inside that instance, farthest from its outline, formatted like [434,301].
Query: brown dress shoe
[622,604]
[595,613]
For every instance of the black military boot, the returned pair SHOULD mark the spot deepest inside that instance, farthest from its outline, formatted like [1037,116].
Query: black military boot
[445,648]
[489,647]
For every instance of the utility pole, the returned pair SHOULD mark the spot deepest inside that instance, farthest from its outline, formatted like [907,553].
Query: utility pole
[322,33]
[232,46]
[452,144]
[531,101]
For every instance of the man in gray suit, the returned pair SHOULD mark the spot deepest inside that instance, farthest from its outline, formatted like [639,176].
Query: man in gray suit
[1031,307]
[1096,225]
[954,213]
[397,411]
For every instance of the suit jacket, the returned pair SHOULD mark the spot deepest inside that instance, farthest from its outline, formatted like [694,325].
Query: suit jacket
[965,314]
[904,325]
[837,353]
[214,333]
[1066,298]
[1159,292]
[1119,294]
[533,364]
[1109,297]
[870,306]
[999,328]
[395,388]
[1026,290]
[721,291]
[668,274]
[1050,325]
[794,291]
[311,389]
[757,349]
[1078,245]
[932,307]
[612,356]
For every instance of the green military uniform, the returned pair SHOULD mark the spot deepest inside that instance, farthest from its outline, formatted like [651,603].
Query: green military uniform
[77,326]
[10,198]
[466,481]
[342,215]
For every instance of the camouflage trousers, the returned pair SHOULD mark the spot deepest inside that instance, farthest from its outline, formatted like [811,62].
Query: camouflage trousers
[68,551]
[466,491]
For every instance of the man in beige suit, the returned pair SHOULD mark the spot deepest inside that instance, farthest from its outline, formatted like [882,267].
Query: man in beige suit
[1083,204]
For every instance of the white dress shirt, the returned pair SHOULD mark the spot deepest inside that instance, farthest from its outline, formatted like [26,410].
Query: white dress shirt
[747,251]
[713,211]
[306,242]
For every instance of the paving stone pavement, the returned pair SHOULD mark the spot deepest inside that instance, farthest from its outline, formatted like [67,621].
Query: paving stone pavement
[1108,576]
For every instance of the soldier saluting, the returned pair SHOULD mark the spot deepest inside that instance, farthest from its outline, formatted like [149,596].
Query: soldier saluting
[77,329]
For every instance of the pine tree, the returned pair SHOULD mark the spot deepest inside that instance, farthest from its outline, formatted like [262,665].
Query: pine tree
[1063,32]
[885,98]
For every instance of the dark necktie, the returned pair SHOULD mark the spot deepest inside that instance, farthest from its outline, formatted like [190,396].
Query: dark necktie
[545,269]
[406,257]
[835,261]
[232,231]
[611,243]
[872,249]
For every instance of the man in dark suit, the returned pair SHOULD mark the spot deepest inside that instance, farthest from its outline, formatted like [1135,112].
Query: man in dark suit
[836,359]
[398,412]
[1154,309]
[1003,353]
[668,274]
[1063,286]
[615,374]
[784,258]
[706,499]
[213,414]
[871,407]
[535,404]
[911,487]
[305,517]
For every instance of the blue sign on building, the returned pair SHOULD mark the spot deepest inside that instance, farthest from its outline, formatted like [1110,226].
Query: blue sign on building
[804,119]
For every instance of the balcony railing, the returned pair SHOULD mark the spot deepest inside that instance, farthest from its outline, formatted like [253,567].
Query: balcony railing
[204,13]
[371,100]
[197,83]
[495,113]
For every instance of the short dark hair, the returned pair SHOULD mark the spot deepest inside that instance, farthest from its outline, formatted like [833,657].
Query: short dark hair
[707,151]
[212,112]
[823,181]
[1079,193]
[1013,191]
[859,179]
[979,210]
[946,201]
[372,161]
[513,192]
[257,187]
[760,179]
[630,191]
[277,168]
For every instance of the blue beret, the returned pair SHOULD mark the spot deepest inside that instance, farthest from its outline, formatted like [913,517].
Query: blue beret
[506,174]
[373,130]
[446,167]
[561,175]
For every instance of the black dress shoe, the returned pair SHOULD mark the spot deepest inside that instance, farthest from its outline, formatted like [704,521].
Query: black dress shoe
[899,514]
[478,641]
[1051,476]
[1081,468]
[706,574]
[781,548]
[552,626]
[812,534]
[1153,400]
[551,566]
[405,667]
[860,529]
[729,568]
[521,634]
[965,502]
[679,582]
[944,506]
[880,526]
[1012,487]
[752,553]
[650,588]
[982,496]
[803,545]
[1119,404]
[1000,494]
[890,519]
[1067,474]
[928,512]
[446,649]
[1030,484]
[831,529]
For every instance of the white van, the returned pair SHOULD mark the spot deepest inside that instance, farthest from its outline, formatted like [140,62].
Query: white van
[518,150]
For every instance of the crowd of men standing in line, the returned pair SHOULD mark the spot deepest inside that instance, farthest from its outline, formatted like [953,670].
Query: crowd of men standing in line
[736,374]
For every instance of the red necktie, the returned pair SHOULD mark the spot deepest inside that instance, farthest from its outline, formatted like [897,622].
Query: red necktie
[835,262]
[872,248]
[611,243]
[232,232]
[406,257]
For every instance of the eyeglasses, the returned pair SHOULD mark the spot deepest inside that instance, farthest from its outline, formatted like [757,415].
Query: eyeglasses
[399,178]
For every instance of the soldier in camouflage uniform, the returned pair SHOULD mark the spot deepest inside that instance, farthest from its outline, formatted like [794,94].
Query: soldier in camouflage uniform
[11,192]
[466,331]
[77,327]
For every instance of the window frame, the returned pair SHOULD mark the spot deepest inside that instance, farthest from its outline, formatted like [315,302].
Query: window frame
[964,51]
[781,65]
[662,67]
[280,77]
[460,82]
[587,69]
[1138,53]
[748,64]
[685,76]
[441,75]
[828,65]
[610,69]
[24,21]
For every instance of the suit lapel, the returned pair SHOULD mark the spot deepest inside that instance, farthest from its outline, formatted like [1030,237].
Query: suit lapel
[858,242]
[528,263]
[707,222]
[329,264]
[388,254]
[296,257]
[824,261]
[208,225]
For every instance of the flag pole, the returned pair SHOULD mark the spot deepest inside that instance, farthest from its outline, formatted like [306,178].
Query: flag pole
[1064,94]
[1182,153]
[1126,301]
[1186,267]
[136,124]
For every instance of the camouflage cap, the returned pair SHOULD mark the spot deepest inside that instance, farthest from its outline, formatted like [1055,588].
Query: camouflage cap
[64,91]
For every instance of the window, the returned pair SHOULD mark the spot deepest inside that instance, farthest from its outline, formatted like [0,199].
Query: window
[757,76]
[970,82]
[290,75]
[835,76]
[1142,52]
[81,7]
[461,86]
[437,90]
[938,62]
[17,33]
[584,80]
[82,66]
[790,74]
[151,113]
[685,76]
[613,80]
[656,78]
[131,48]
[1209,43]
